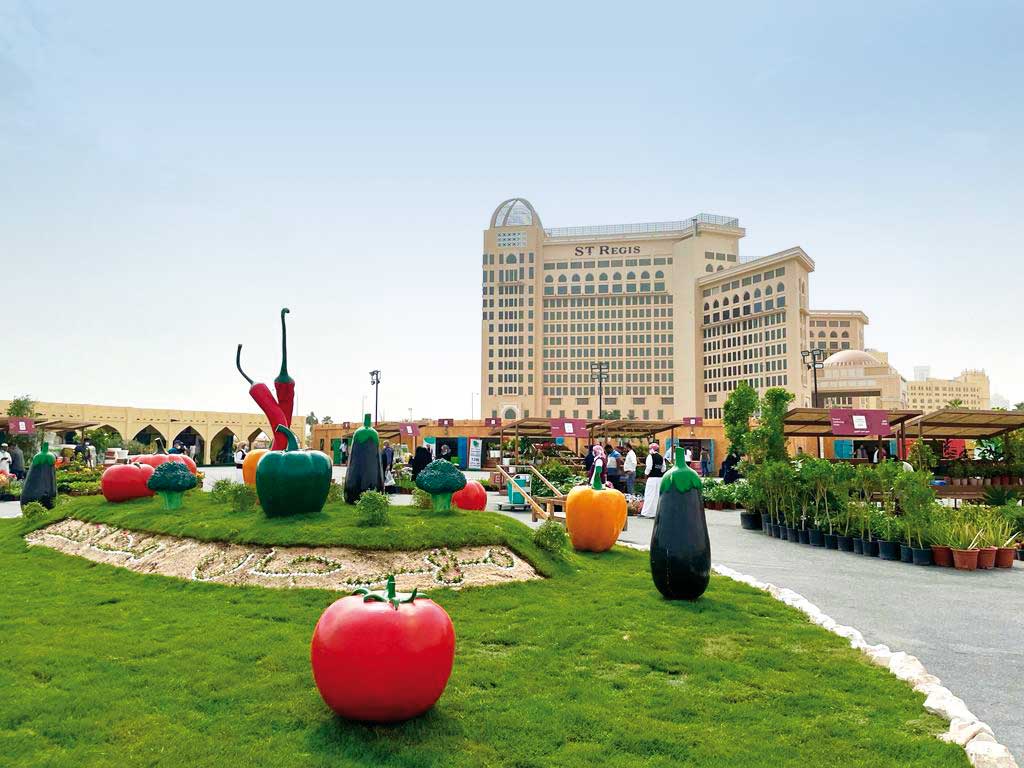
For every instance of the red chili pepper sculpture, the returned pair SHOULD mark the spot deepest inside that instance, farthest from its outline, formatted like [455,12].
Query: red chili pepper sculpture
[279,411]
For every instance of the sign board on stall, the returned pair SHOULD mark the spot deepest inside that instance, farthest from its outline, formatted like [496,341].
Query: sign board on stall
[406,429]
[492,421]
[476,451]
[446,422]
[859,423]
[692,421]
[20,426]
[569,428]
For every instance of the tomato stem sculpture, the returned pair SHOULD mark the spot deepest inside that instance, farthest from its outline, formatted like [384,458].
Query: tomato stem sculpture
[279,411]
[382,657]
[594,515]
[293,482]
[680,545]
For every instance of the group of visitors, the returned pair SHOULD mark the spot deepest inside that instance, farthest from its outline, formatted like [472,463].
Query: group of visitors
[618,467]
[12,461]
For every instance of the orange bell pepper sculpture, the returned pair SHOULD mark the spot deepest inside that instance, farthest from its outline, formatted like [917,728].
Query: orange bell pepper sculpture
[594,515]
[252,458]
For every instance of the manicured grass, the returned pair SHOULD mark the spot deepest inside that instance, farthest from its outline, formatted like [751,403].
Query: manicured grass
[410,528]
[104,667]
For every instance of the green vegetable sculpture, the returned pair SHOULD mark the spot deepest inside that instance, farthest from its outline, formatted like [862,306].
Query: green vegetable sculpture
[680,546]
[364,468]
[171,480]
[41,483]
[441,479]
[293,482]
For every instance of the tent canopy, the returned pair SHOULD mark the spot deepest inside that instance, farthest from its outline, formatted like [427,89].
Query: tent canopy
[817,422]
[964,423]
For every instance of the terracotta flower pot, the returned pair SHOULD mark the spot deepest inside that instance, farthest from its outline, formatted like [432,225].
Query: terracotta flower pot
[943,556]
[965,559]
[986,557]
[1005,557]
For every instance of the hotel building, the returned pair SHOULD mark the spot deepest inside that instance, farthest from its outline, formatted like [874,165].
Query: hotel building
[972,388]
[679,316]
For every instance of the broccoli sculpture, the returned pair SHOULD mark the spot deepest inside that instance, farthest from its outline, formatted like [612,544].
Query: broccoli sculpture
[441,479]
[171,480]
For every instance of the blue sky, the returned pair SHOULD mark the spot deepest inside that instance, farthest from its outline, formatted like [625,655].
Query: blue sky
[170,177]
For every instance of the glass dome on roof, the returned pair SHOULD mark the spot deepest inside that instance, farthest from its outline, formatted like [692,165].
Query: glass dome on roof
[516,212]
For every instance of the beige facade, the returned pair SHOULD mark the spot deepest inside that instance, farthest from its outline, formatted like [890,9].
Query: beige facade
[971,387]
[836,330]
[211,427]
[855,378]
[678,316]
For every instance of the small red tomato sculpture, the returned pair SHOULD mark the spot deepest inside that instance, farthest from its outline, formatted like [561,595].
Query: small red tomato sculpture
[122,482]
[382,657]
[471,496]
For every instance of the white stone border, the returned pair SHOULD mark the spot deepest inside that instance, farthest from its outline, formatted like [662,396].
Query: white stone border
[964,728]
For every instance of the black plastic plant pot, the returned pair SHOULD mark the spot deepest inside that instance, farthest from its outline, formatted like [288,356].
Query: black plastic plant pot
[889,550]
[805,536]
[793,535]
[750,521]
[858,546]
[906,554]
[1020,554]
[766,524]
[831,541]
[922,556]
[845,543]
[871,547]
[817,538]
[783,532]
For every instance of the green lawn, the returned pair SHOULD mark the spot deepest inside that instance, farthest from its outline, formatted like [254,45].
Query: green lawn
[101,666]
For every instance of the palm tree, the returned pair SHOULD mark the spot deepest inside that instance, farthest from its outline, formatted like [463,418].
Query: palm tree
[1019,407]
[326,420]
[956,403]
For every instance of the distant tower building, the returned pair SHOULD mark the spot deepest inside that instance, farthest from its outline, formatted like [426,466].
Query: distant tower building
[922,372]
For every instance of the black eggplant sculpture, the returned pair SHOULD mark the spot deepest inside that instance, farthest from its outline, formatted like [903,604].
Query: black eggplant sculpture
[680,546]
[364,468]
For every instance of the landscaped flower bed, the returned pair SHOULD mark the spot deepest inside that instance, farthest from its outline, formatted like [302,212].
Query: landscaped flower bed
[883,511]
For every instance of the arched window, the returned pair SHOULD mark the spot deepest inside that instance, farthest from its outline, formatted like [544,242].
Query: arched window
[780,287]
[833,335]
[575,278]
[549,279]
[561,278]
[846,335]
[659,275]
[720,268]
[589,278]
[768,290]
[757,293]
[716,305]
[709,268]
[645,275]
[510,414]
[604,276]
[735,299]
[746,295]
[725,301]
[617,276]
[631,276]
[510,258]
[706,306]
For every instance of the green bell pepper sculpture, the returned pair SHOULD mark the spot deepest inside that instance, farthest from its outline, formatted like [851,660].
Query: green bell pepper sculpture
[292,482]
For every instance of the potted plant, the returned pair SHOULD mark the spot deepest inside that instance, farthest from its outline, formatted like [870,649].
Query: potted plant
[887,527]
[1006,553]
[963,538]
[987,546]
[957,472]
[843,522]
[939,533]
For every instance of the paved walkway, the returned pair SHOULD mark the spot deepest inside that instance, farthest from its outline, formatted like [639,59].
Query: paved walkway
[966,628]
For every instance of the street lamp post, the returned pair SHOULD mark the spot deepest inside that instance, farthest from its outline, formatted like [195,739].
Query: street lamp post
[599,373]
[375,383]
[814,359]
[472,402]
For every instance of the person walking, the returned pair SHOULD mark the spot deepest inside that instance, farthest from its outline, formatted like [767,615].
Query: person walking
[90,455]
[5,459]
[613,457]
[17,462]
[705,463]
[387,458]
[240,458]
[588,460]
[654,469]
[600,460]
[629,468]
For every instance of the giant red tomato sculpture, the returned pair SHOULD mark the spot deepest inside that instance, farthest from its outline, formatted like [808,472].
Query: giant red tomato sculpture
[382,657]
[122,482]
[471,496]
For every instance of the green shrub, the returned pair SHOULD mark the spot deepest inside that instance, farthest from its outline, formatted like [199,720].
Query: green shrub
[374,508]
[244,498]
[421,499]
[551,536]
[223,491]
[555,471]
[335,493]
[33,509]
